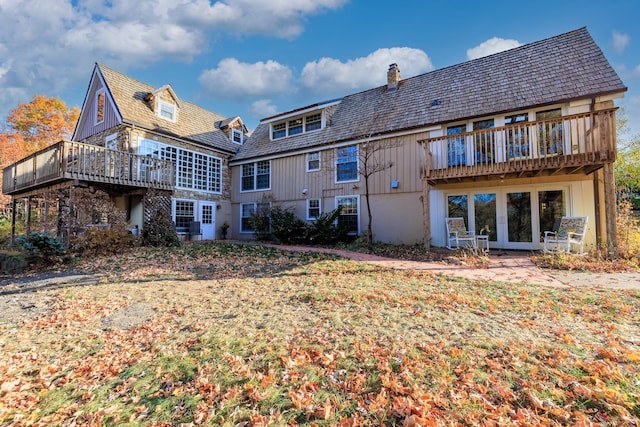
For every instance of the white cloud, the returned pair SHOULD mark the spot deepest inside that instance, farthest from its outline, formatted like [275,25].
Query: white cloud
[620,41]
[332,77]
[235,79]
[491,46]
[46,46]
[263,108]
[281,18]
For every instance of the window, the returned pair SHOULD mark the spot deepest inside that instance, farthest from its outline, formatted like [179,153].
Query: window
[347,164]
[349,214]
[484,146]
[194,171]
[256,176]
[183,214]
[296,126]
[247,210]
[313,161]
[279,130]
[550,132]
[100,99]
[517,136]
[313,208]
[456,146]
[237,136]
[167,111]
[313,122]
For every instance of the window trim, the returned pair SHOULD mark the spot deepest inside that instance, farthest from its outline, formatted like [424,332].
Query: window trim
[181,162]
[235,132]
[308,160]
[357,162]
[101,93]
[255,209]
[357,197]
[255,176]
[174,204]
[309,217]
[286,131]
[174,110]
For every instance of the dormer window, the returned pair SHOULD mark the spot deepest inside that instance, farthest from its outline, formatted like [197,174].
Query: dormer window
[100,100]
[296,125]
[167,111]
[237,136]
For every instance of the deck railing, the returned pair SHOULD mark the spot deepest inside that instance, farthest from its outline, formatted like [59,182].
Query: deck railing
[546,146]
[68,160]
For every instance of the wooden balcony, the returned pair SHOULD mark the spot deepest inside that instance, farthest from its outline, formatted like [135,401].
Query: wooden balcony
[580,143]
[70,161]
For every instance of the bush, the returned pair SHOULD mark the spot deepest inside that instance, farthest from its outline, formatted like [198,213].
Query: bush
[261,224]
[12,262]
[286,227]
[42,246]
[104,241]
[628,231]
[324,231]
[160,232]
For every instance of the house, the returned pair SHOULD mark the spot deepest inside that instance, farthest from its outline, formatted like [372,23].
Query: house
[512,141]
[146,149]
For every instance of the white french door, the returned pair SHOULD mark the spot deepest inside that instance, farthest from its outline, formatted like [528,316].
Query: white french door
[207,214]
[515,218]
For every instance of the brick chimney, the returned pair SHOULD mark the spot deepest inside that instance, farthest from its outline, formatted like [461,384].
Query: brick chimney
[393,78]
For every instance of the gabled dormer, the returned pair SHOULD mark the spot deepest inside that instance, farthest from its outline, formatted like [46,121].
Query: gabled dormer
[234,128]
[165,103]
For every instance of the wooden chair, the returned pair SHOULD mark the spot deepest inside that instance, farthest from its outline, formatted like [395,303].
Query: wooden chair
[570,232]
[457,233]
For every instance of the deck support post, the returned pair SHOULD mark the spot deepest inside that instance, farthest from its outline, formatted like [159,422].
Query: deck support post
[28,228]
[12,238]
[426,189]
[610,210]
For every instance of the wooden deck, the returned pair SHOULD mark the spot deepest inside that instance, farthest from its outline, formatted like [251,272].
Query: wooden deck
[579,143]
[74,161]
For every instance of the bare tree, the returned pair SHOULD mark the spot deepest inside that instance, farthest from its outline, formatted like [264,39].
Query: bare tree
[371,161]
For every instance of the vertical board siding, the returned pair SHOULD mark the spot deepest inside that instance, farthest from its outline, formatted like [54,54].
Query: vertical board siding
[289,176]
[87,127]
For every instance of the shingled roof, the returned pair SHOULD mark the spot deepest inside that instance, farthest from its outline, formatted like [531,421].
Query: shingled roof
[194,123]
[566,67]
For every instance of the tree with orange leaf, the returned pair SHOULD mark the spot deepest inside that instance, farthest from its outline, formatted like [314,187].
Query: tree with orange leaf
[43,121]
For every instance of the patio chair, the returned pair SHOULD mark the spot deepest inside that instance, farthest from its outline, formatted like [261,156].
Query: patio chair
[570,233]
[457,233]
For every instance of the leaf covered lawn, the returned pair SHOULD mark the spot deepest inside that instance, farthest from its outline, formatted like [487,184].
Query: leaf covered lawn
[236,335]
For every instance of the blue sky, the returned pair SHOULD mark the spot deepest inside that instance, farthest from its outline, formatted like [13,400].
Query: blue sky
[256,58]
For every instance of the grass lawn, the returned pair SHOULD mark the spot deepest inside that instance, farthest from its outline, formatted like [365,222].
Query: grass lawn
[237,335]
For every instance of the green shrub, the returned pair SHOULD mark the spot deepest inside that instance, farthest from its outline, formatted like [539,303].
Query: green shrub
[160,232]
[104,241]
[286,227]
[261,225]
[42,246]
[324,231]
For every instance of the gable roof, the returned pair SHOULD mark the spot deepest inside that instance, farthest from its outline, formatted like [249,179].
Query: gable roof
[559,69]
[194,123]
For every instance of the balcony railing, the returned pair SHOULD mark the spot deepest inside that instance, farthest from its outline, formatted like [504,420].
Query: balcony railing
[90,163]
[569,144]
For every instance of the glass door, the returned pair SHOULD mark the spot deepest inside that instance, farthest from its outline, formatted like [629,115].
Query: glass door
[485,213]
[519,226]
[551,208]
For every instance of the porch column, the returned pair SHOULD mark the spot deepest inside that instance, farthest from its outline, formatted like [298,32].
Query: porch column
[28,228]
[610,210]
